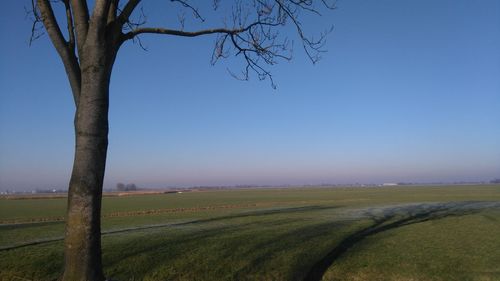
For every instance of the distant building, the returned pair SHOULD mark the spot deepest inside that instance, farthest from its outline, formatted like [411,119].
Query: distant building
[389,184]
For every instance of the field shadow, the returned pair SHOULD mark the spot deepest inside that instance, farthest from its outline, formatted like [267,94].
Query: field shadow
[258,213]
[266,212]
[279,245]
[164,249]
[148,253]
[386,219]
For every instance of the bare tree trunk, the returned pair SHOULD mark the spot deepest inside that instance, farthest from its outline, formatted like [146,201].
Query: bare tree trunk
[83,225]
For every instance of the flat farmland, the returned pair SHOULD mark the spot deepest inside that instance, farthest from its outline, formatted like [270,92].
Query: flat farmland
[375,233]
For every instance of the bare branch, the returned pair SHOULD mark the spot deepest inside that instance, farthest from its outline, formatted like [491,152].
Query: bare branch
[195,11]
[127,11]
[133,24]
[98,20]
[309,45]
[81,22]
[50,23]
[62,47]
[254,34]
[166,31]
[37,21]
[71,32]
[101,8]
[113,9]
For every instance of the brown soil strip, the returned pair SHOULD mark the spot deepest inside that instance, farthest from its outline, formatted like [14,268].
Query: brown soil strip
[130,213]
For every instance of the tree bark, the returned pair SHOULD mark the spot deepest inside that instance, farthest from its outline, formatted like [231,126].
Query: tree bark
[83,221]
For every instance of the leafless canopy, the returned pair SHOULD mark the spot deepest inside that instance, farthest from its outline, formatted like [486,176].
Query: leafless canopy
[252,30]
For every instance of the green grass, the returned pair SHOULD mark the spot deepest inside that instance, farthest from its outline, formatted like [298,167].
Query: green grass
[454,248]
[272,234]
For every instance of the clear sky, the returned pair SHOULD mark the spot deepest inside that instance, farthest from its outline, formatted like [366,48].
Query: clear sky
[408,91]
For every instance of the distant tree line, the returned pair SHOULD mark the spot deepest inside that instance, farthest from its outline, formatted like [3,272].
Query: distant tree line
[126,187]
[495,181]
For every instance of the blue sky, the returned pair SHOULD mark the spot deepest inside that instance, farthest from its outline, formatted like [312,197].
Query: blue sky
[408,91]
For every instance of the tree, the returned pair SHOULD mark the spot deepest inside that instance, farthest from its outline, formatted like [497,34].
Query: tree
[88,53]
[129,187]
[120,186]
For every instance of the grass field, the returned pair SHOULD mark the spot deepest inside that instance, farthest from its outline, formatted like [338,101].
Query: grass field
[389,233]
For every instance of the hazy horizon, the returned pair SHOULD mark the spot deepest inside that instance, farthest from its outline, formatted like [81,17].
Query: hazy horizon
[407,92]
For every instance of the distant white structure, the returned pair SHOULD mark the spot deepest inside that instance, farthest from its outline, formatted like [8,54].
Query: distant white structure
[389,184]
